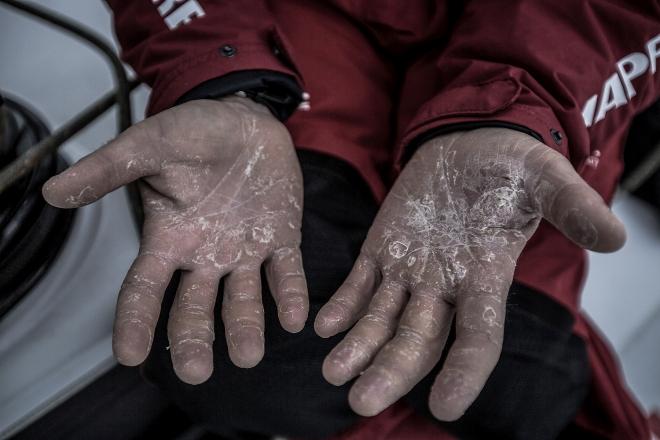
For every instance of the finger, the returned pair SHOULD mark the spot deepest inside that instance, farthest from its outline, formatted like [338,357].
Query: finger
[576,209]
[190,327]
[286,279]
[345,306]
[354,353]
[480,310]
[138,307]
[407,358]
[108,168]
[243,316]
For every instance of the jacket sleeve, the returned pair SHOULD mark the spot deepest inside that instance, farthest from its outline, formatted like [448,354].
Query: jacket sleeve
[206,48]
[571,73]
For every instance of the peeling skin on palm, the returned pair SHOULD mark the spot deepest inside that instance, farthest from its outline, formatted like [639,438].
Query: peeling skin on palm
[448,236]
[222,194]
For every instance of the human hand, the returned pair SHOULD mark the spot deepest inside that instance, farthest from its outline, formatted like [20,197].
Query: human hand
[446,241]
[222,193]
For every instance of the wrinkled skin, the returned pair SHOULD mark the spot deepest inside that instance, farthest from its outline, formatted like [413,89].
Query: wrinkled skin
[445,243]
[222,195]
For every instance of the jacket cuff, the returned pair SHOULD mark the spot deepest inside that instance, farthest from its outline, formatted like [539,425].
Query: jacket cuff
[502,103]
[277,91]
[232,58]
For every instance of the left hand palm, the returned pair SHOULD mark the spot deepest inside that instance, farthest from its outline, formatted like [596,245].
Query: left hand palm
[446,241]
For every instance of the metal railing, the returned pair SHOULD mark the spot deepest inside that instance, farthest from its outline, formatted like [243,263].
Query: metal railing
[23,164]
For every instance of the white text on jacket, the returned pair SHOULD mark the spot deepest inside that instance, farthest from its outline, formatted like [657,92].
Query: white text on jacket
[618,89]
[177,12]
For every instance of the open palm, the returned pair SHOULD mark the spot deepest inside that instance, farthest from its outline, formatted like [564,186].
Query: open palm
[222,194]
[443,245]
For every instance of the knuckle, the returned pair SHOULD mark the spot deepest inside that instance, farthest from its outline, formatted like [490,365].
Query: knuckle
[344,303]
[412,336]
[187,331]
[292,300]
[380,318]
[242,301]
[136,281]
[193,309]
[359,342]
[236,312]
[292,283]
[483,337]
[351,287]
[243,322]
[285,255]
[424,324]
[137,315]
[192,314]
[374,329]
[138,296]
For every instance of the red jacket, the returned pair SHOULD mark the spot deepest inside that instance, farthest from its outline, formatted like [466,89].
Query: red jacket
[385,75]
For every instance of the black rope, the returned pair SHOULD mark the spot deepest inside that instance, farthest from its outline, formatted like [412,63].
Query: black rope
[28,160]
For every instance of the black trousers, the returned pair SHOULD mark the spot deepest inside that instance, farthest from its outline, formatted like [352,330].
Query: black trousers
[534,392]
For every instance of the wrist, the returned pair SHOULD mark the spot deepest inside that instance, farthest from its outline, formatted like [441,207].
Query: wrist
[245,104]
[497,135]
[280,93]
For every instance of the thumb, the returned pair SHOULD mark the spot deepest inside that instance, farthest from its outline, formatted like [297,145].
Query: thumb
[95,175]
[576,209]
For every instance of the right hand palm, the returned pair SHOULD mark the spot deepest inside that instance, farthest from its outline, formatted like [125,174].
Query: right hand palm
[222,194]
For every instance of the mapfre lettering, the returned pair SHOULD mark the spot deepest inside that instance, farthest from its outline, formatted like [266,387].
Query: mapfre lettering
[178,12]
[618,89]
